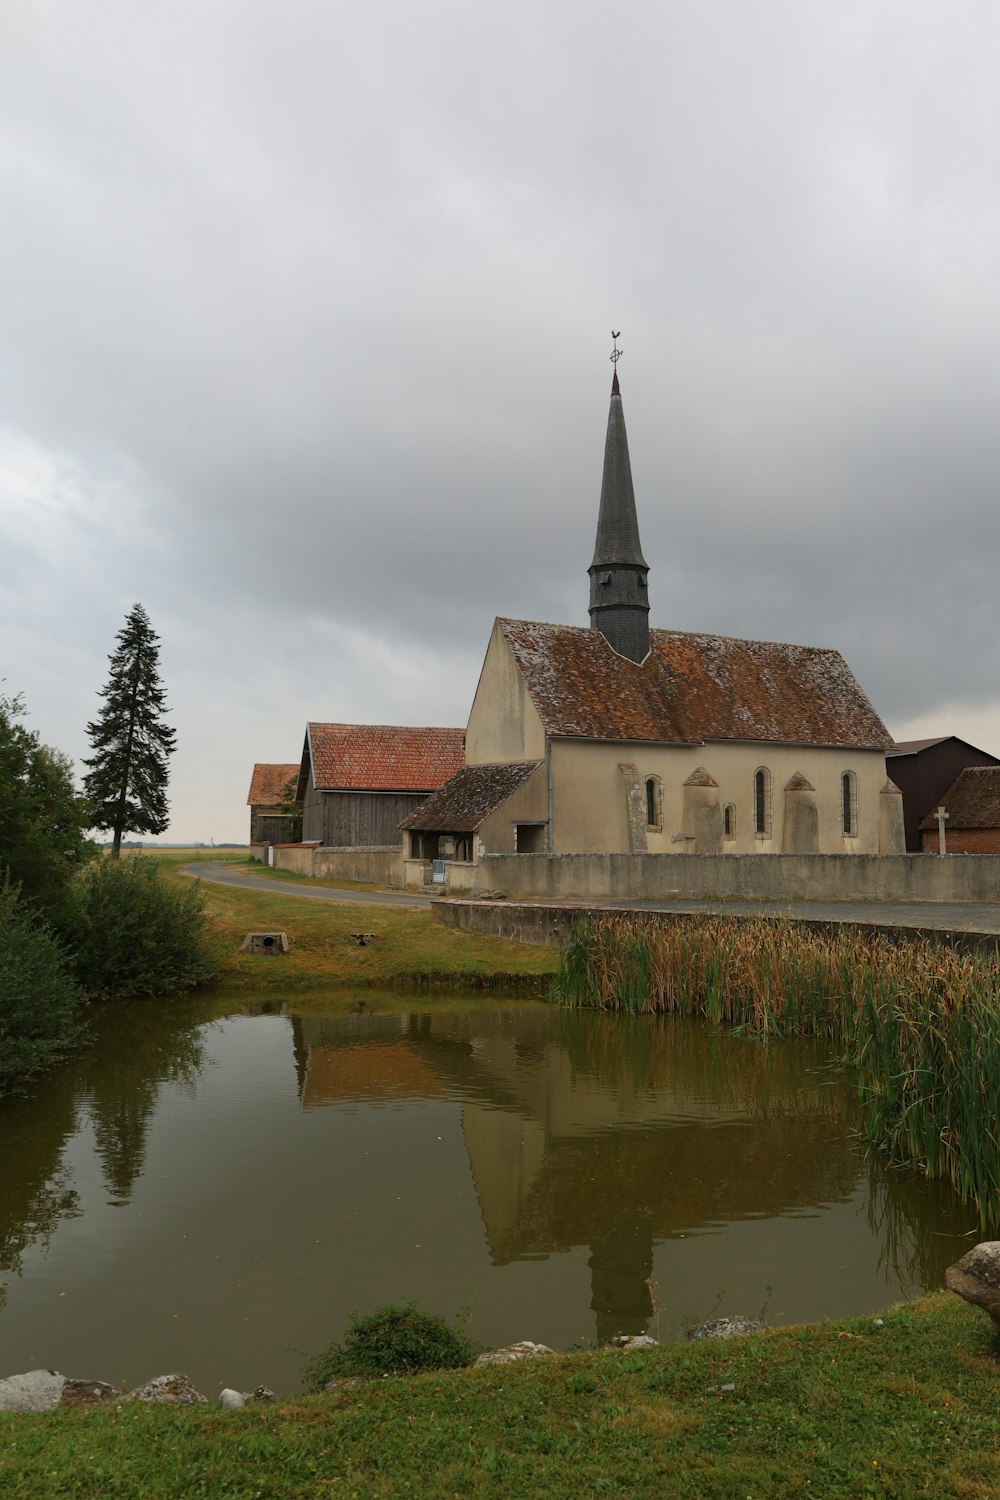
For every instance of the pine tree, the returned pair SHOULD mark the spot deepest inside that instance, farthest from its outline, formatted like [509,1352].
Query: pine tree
[127,782]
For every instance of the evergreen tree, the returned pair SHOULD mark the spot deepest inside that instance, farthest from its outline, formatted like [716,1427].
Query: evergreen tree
[127,782]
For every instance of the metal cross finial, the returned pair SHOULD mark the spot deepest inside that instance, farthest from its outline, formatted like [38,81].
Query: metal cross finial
[616,356]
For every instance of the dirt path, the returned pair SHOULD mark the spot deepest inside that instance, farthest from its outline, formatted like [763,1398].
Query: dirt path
[224,874]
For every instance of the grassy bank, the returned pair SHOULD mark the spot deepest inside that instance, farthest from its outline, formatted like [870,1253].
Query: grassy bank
[920,1020]
[410,949]
[837,1409]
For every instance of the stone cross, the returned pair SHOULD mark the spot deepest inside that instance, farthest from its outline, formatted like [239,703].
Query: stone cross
[942,818]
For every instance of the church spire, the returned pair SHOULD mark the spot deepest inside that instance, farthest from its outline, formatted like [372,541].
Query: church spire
[619,605]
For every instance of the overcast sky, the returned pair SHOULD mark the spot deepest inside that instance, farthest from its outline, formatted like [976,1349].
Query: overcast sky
[305,316]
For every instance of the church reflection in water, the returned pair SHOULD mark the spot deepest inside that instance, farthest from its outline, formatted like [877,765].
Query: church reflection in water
[614,1133]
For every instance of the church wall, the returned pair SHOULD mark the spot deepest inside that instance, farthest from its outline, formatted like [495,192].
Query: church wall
[588,797]
[503,724]
[529,804]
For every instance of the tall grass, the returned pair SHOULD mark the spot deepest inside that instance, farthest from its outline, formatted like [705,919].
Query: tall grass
[919,1019]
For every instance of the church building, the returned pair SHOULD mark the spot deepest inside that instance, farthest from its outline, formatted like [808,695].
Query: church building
[622,738]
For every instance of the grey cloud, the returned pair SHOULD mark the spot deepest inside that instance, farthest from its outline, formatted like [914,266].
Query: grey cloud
[309,306]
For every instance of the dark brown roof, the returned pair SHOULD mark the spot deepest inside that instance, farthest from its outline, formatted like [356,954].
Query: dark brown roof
[913,747]
[692,688]
[465,802]
[267,784]
[972,800]
[383,757]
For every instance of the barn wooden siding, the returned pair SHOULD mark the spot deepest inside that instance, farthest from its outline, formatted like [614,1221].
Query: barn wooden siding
[344,820]
[270,828]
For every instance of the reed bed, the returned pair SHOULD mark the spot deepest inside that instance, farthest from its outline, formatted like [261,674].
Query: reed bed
[919,1020]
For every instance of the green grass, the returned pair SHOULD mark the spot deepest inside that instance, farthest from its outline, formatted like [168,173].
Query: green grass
[834,1410]
[411,950]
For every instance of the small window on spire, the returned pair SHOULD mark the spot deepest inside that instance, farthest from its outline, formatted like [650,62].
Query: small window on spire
[605,578]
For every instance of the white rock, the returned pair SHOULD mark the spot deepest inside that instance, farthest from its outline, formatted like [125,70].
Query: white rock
[634,1341]
[231,1400]
[171,1390]
[725,1328]
[525,1349]
[37,1390]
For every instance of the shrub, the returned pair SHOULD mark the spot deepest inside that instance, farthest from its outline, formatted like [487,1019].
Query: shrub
[139,935]
[39,1002]
[393,1340]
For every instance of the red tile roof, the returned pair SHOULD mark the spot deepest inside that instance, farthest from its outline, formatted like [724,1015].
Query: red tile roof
[383,757]
[972,801]
[267,784]
[465,802]
[692,688]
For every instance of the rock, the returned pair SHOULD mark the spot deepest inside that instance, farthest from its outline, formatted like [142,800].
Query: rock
[87,1393]
[171,1390]
[976,1277]
[261,1395]
[525,1349]
[725,1328]
[634,1341]
[341,1383]
[37,1390]
[231,1400]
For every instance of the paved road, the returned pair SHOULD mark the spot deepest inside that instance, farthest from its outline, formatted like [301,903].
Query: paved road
[218,873]
[926,916]
[939,916]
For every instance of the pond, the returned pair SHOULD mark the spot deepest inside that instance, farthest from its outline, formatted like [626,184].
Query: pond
[218,1195]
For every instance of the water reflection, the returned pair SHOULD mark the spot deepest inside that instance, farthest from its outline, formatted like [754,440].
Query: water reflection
[616,1134]
[113,1085]
[224,1182]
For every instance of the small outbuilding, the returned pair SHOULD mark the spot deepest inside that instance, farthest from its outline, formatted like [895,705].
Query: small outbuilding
[972,804]
[924,770]
[268,825]
[501,807]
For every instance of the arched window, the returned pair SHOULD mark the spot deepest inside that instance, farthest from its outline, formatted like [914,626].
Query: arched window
[849,803]
[654,804]
[762,802]
[729,821]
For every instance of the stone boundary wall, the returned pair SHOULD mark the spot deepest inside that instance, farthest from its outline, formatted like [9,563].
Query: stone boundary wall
[736,877]
[375,865]
[549,926]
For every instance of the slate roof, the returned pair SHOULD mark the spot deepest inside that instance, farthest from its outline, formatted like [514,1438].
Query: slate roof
[267,784]
[692,688]
[465,802]
[617,526]
[972,800]
[383,757]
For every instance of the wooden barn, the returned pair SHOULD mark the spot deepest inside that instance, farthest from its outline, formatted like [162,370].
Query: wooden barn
[268,825]
[357,782]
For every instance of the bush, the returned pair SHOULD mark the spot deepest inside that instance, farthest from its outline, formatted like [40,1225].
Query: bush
[138,934]
[43,819]
[39,1002]
[393,1341]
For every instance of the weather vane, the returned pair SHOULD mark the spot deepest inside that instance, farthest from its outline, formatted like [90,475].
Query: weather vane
[616,356]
